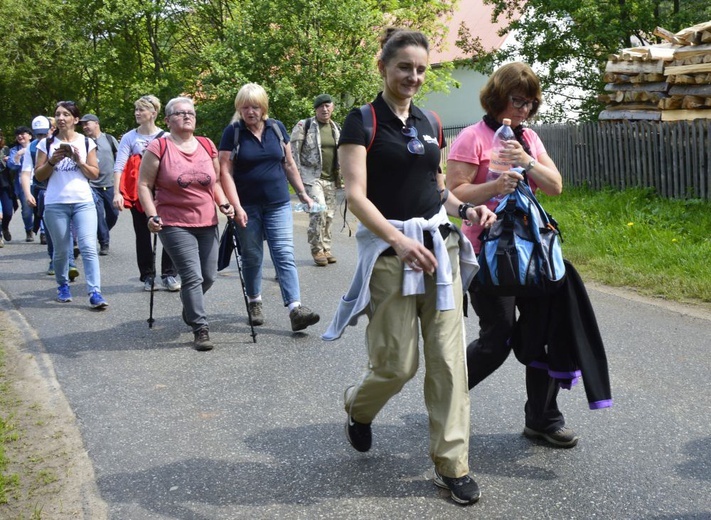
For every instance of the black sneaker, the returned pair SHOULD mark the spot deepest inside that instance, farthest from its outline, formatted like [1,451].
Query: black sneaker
[202,340]
[464,490]
[563,438]
[256,314]
[302,317]
[359,435]
[103,249]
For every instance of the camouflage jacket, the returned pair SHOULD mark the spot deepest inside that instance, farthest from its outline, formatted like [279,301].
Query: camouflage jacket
[306,149]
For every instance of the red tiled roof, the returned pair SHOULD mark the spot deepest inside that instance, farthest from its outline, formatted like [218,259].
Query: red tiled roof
[477,18]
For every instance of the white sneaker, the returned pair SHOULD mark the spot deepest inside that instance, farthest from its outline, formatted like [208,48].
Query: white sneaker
[171,284]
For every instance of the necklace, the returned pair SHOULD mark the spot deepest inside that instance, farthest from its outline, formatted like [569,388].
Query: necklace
[402,118]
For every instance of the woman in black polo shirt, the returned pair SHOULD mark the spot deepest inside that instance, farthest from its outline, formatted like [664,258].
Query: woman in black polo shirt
[408,274]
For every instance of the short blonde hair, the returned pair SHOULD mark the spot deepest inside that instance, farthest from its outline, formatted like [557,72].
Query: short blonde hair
[148,102]
[251,94]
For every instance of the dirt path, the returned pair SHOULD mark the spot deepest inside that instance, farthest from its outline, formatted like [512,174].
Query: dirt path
[56,477]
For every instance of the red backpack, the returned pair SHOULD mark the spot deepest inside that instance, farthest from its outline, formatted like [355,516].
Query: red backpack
[129,176]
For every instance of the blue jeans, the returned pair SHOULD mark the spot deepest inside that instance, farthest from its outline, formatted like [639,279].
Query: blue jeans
[28,214]
[105,211]
[274,223]
[194,254]
[58,219]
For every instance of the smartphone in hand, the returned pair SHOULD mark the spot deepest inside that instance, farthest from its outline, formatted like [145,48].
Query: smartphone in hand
[67,148]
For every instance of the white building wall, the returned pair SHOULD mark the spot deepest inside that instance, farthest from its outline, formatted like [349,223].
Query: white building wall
[460,106]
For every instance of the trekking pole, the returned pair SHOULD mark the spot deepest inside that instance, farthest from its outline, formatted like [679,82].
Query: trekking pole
[153,281]
[238,258]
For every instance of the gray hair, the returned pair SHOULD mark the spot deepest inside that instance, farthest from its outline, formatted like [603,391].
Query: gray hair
[170,104]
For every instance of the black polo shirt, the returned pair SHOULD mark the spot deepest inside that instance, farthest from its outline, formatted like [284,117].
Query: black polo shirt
[402,185]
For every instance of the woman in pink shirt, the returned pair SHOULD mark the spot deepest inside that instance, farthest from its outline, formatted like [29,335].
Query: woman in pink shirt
[184,174]
[512,92]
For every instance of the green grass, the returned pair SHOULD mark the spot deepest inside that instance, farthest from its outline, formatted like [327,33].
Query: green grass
[636,239]
[8,434]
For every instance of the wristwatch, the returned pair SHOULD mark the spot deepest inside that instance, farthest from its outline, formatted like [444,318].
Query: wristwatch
[530,165]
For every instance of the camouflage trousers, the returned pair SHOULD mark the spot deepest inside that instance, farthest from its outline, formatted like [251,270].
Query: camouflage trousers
[319,232]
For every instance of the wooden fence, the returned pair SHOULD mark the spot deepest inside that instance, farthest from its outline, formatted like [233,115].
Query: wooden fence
[674,158]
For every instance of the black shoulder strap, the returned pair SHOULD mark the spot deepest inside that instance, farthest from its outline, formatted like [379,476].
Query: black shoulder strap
[307,125]
[112,144]
[370,123]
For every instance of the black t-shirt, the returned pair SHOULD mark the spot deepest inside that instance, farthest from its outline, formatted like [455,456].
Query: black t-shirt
[402,185]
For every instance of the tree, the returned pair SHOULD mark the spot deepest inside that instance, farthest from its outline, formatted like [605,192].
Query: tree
[104,54]
[568,41]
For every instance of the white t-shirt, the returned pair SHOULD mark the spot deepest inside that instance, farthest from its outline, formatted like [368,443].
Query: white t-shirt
[67,184]
[132,143]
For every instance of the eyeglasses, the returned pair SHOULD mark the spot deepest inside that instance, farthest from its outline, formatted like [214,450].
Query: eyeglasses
[414,145]
[183,113]
[519,102]
[66,103]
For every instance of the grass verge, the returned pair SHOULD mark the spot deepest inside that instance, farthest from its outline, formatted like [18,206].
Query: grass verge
[636,239]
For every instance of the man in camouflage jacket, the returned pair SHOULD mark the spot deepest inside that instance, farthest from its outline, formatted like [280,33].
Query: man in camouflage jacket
[313,144]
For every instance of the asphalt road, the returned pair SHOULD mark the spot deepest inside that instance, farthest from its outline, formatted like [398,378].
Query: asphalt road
[256,430]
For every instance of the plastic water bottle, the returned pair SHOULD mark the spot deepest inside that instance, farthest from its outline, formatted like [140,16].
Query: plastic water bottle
[302,207]
[497,166]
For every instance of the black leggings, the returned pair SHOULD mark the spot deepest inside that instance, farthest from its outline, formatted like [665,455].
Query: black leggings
[497,315]
[144,249]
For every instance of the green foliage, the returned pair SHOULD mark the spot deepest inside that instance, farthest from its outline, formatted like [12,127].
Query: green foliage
[106,53]
[570,40]
[635,238]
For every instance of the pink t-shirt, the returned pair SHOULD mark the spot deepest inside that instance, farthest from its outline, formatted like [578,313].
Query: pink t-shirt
[473,146]
[184,185]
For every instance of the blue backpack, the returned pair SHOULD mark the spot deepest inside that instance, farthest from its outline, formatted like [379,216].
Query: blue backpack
[521,253]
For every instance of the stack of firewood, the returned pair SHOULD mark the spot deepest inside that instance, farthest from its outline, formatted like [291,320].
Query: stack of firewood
[668,82]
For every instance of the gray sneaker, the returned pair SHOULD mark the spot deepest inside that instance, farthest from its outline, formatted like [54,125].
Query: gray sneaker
[302,317]
[147,284]
[171,284]
[563,438]
[256,314]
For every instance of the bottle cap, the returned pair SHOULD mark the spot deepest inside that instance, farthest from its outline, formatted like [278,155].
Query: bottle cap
[506,121]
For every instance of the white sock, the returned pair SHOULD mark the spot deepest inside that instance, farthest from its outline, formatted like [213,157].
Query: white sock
[294,305]
[255,299]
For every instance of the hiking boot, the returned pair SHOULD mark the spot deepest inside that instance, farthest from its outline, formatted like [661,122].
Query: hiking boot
[103,249]
[202,340]
[563,438]
[256,314]
[63,293]
[464,490]
[302,317]
[6,234]
[320,259]
[329,257]
[147,283]
[43,239]
[97,301]
[73,272]
[30,236]
[50,269]
[171,284]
